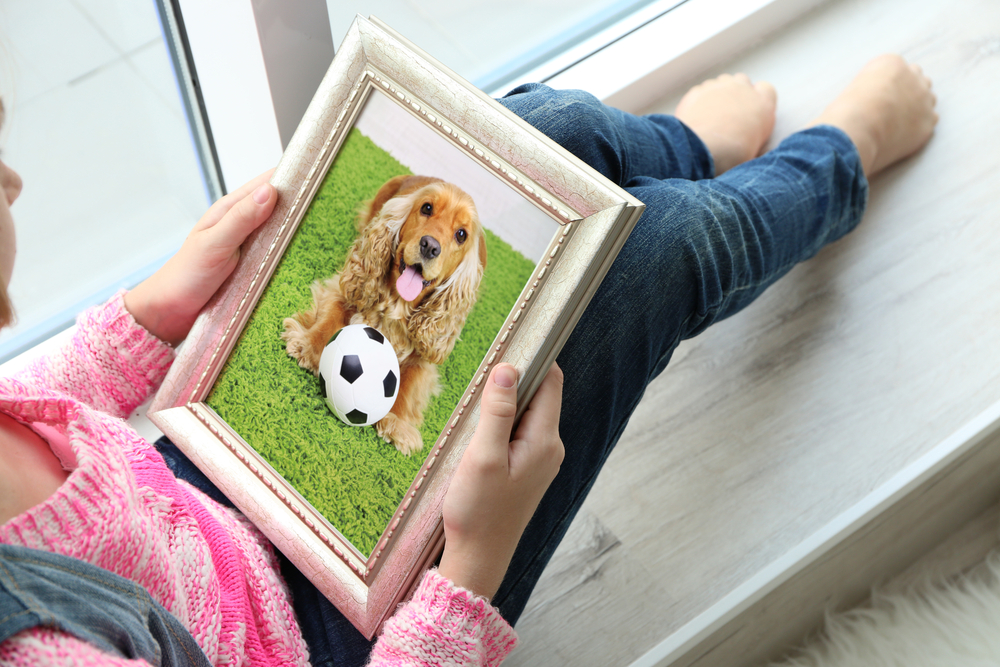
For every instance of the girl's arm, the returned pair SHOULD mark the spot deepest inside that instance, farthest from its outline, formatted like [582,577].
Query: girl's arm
[496,489]
[110,363]
[121,351]
[443,624]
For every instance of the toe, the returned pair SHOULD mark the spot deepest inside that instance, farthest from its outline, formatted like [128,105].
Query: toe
[767,91]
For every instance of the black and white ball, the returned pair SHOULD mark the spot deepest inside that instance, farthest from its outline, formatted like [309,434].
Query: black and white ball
[359,375]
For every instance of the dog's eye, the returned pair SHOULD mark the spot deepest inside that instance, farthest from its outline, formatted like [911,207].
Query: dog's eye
[427,210]
[460,236]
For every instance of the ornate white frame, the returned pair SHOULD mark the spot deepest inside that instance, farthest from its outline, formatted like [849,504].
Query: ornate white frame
[595,218]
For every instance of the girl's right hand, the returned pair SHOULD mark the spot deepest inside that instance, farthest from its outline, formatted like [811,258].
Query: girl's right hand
[168,302]
[500,480]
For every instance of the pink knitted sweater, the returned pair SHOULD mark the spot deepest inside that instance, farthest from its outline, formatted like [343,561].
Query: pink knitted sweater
[123,510]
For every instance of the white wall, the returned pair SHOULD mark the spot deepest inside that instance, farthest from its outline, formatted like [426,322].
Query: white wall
[502,209]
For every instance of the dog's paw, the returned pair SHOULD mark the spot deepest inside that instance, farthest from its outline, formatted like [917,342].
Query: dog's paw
[297,345]
[403,435]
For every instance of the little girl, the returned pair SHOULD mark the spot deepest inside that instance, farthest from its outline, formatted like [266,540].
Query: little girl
[77,481]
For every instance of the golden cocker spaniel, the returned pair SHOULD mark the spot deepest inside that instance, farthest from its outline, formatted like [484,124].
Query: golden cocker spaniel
[413,274]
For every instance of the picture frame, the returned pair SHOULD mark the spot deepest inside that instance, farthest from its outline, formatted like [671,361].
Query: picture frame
[383,102]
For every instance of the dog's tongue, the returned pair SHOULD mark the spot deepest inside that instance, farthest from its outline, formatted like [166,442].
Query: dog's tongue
[410,284]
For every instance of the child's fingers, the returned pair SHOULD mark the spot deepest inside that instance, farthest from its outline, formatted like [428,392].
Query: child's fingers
[219,209]
[537,450]
[251,185]
[245,216]
[542,414]
[496,417]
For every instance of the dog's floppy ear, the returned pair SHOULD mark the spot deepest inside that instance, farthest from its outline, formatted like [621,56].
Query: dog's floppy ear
[436,324]
[482,251]
[370,210]
[363,280]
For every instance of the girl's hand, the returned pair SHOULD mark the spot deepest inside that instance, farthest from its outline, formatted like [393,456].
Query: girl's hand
[167,303]
[500,480]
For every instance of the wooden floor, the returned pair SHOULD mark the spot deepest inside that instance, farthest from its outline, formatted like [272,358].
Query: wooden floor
[859,361]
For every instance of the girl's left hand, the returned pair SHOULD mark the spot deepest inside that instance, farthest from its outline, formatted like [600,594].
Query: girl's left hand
[167,303]
[500,480]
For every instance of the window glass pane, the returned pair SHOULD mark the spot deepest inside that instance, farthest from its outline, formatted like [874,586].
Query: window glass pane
[97,130]
[485,41]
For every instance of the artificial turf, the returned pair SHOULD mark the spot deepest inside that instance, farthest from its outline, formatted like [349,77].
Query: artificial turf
[349,474]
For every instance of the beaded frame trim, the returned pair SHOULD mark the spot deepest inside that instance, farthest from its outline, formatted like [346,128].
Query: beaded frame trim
[559,211]
[373,57]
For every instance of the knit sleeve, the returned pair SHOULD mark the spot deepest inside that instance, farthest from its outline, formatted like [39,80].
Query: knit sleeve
[111,363]
[444,625]
[47,647]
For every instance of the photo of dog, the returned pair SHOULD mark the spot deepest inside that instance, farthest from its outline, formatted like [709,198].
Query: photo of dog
[368,265]
[414,274]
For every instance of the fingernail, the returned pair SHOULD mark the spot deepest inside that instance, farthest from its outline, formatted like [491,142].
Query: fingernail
[262,193]
[505,376]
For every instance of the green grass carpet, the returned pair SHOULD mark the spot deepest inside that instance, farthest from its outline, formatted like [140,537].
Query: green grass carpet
[349,474]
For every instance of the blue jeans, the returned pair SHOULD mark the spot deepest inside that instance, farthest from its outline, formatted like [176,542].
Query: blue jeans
[703,249]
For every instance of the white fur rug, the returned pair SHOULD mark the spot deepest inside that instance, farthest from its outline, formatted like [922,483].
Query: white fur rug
[956,625]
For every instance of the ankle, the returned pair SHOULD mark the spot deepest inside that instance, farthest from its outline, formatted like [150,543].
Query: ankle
[861,133]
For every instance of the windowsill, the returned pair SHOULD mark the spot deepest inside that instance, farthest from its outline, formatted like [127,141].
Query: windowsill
[686,40]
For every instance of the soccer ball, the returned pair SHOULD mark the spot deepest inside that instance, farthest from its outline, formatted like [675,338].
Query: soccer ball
[359,375]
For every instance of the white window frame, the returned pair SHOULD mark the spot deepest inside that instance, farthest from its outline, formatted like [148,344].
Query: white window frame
[689,37]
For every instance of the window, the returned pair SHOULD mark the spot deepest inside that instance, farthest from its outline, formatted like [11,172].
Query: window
[493,43]
[96,129]
[119,162]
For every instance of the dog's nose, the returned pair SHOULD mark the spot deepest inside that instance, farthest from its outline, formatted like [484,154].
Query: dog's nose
[429,247]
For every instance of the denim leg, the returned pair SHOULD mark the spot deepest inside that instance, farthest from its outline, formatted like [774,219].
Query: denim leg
[619,145]
[701,251]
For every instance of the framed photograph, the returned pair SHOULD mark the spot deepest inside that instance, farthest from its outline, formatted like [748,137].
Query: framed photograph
[422,235]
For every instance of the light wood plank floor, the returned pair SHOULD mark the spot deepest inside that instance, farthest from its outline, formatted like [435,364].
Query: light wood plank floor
[772,423]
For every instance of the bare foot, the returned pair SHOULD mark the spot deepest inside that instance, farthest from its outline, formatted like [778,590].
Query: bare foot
[887,111]
[733,116]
